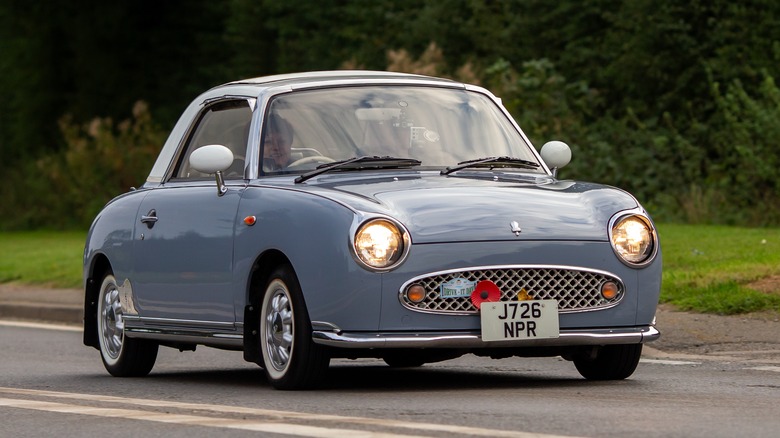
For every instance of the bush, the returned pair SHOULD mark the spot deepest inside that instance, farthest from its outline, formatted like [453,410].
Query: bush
[744,162]
[66,189]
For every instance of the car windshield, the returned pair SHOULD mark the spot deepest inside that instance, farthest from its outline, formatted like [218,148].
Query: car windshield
[440,127]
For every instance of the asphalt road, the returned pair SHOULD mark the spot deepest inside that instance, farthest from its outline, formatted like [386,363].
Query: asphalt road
[51,384]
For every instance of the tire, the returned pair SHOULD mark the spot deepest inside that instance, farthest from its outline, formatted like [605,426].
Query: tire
[122,356]
[612,362]
[291,359]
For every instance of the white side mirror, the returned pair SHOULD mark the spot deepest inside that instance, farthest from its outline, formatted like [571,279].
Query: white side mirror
[556,154]
[211,159]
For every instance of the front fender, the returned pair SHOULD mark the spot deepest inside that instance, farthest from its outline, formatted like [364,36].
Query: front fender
[313,233]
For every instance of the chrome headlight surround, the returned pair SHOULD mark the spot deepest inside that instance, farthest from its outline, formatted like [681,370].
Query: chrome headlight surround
[633,238]
[380,243]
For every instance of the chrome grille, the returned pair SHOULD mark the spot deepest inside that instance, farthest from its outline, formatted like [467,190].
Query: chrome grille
[574,289]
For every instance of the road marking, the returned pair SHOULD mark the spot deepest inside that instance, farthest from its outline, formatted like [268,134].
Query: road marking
[274,416]
[775,369]
[668,362]
[195,420]
[60,327]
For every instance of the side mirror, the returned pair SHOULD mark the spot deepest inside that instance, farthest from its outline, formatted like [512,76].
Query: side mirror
[556,154]
[213,158]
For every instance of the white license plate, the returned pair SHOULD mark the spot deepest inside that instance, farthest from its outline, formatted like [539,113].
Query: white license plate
[511,320]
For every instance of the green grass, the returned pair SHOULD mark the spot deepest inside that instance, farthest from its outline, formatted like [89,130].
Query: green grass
[706,268]
[50,258]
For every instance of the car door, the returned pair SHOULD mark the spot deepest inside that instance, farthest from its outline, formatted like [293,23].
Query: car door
[183,251]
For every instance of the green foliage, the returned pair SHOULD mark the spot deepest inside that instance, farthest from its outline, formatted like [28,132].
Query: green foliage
[745,169]
[674,102]
[94,58]
[66,189]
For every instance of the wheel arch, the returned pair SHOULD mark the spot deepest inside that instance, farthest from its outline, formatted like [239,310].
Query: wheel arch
[262,268]
[99,266]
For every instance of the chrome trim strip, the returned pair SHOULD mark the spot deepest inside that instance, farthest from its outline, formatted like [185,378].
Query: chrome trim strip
[325,326]
[473,339]
[233,341]
[492,267]
[132,319]
[220,334]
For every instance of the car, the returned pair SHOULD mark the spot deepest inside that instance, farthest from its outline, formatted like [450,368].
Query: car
[304,217]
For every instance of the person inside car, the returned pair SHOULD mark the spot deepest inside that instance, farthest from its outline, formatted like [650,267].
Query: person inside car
[276,144]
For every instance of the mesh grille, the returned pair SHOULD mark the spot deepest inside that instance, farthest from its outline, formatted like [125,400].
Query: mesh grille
[575,290]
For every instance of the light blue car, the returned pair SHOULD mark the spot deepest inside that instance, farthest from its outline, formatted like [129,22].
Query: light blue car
[353,214]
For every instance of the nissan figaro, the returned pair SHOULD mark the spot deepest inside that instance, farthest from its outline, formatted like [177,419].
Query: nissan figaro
[354,214]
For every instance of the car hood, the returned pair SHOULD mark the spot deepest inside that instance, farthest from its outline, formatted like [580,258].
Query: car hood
[449,209]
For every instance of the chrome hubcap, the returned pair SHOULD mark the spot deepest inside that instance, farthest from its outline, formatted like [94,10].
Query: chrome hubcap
[279,329]
[112,323]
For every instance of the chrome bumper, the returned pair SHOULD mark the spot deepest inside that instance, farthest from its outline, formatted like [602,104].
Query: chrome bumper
[630,335]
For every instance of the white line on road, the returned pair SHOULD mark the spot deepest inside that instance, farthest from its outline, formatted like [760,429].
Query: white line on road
[768,368]
[668,362]
[194,420]
[275,416]
[60,327]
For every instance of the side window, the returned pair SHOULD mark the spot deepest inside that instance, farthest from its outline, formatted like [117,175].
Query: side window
[225,123]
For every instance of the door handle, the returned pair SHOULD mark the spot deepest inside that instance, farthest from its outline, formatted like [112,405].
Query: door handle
[149,218]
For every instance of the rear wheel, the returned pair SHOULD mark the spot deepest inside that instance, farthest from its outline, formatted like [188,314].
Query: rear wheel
[290,358]
[611,362]
[122,356]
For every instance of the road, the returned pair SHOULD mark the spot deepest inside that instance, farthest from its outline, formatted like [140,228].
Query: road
[50,384]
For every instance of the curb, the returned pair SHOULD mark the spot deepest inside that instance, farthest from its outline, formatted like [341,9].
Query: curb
[41,312]
[41,304]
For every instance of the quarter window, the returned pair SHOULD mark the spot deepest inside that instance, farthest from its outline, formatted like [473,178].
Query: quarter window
[224,123]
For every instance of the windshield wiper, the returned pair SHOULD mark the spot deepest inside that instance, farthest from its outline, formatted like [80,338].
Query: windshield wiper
[360,163]
[491,162]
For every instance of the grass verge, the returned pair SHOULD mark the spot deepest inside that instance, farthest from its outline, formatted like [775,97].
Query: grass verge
[710,269]
[707,269]
[50,258]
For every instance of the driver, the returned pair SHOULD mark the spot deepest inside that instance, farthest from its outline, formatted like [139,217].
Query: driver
[276,143]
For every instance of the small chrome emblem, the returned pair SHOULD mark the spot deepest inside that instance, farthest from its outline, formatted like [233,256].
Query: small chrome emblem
[515,227]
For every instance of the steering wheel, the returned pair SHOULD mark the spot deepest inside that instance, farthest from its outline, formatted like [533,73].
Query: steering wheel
[308,160]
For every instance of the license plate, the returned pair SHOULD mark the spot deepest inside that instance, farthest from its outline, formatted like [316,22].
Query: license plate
[512,320]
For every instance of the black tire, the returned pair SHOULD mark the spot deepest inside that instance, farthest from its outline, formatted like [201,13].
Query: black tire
[122,356]
[291,359]
[612,362]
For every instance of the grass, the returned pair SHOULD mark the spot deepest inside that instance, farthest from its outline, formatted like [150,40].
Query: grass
[706,268]
[709,268]
[51,258]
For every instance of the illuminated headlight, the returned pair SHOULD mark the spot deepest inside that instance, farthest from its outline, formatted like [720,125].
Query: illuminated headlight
[633,239]
[380,244]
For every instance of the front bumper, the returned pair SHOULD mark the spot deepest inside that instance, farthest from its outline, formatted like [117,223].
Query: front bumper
[470,339]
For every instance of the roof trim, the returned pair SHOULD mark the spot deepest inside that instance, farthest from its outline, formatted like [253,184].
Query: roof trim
[336,75]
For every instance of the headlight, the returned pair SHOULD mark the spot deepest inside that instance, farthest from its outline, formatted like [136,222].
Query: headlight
[633,239]
[380,244]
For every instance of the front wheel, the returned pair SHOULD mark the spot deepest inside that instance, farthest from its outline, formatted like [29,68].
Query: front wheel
[290,358]
[611,362]
[122,356]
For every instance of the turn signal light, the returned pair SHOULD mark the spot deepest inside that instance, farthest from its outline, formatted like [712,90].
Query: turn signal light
[609,290]
[415,293]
